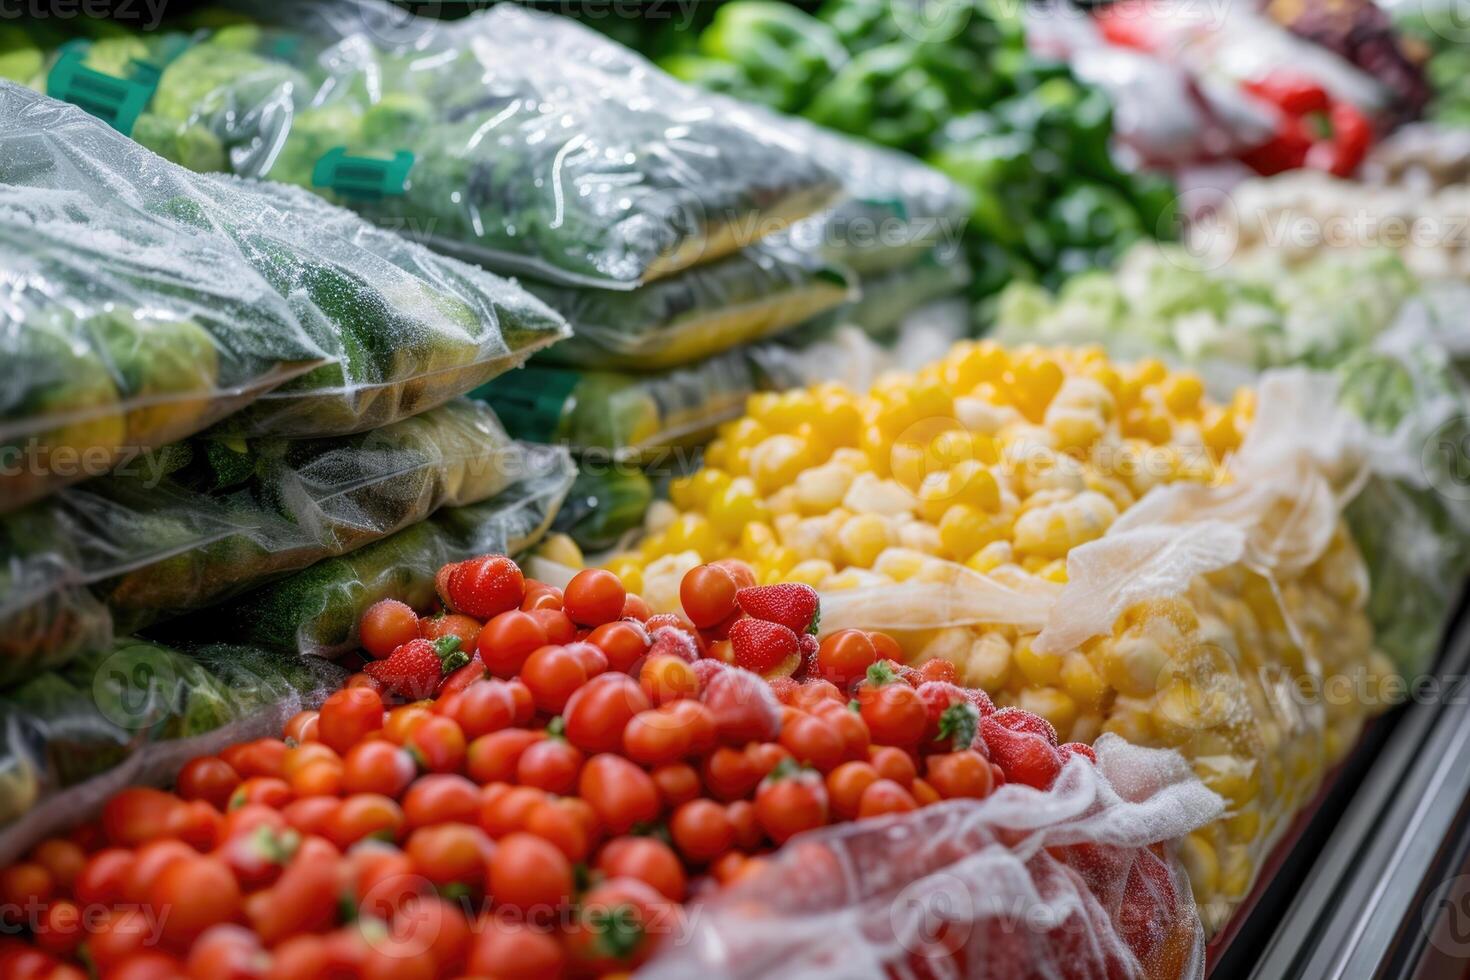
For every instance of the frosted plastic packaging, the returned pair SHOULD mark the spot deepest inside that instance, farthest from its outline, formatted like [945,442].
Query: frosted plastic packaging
[503,137]
[142,303]
[222,517]
[756,293]
[134,713]
[1076,881]
[315,612]
[622,415]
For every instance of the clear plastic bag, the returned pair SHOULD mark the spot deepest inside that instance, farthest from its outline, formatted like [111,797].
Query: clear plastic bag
[1363,317]
[895,209]
[1076,881]
[134,713]
[316,611]
[756,293]
[502,137]
[120,328]
[145,302]
[622,416]
[1225,619]
[222,517]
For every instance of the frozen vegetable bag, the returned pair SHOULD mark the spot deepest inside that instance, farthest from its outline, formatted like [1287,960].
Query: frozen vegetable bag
[623,415]
[134,713]
[121,328]
[758,292]
[220,517]
[1071,882]
[316,611]
[500,137]
[400,329]
[997,486]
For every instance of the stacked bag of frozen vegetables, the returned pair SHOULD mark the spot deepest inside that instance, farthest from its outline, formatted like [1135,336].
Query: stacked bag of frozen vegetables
[209,384]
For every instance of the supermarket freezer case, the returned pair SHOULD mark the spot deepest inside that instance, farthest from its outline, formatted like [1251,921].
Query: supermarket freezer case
[1377,883]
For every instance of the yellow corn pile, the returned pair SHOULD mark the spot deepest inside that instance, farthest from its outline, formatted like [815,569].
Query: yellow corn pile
[1004,460]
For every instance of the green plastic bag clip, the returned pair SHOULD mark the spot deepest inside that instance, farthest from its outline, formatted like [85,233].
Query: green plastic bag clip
[116,101]
[363,177]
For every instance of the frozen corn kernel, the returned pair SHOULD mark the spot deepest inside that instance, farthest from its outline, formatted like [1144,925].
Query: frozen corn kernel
[989,662]
[813,572]
[561,549]
[863,538]
[735,506]
[778,460]
[1053,530]
[869,494]
[821,489]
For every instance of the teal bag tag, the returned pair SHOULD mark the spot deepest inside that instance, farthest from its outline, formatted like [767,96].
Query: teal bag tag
[116,101]
[363,177]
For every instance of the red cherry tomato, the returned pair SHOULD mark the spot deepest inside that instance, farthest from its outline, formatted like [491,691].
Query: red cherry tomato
[349,716]
[507,640]
[621,794]
[553,673]
[598,711]
[386,626]
[623,642]
[594,596]
[707,593]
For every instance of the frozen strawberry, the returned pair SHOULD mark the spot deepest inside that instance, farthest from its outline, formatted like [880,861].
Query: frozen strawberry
[794,605]
[808,647]
[953,720]
[706,668]
[784,688]
[416,669]
[1023,756]
[938,670]
[745,710]
[981,701]
[485,587]
[1018,720]
[673,641]
[763,647]
[1069,749]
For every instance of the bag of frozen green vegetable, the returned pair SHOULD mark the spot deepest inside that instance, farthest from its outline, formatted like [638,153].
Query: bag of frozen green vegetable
[622,416]
[316,611]
[503,137]
[756,293]
[120,328]
[220,517]
[133,713]
[149,302]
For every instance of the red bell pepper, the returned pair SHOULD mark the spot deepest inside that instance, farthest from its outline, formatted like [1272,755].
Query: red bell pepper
[1312,130]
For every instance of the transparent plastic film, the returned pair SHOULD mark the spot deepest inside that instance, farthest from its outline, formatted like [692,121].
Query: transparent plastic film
[623,416]
[145,302]
[517,140]
[134,712]
[315,612]
[756,293]
[221,517]
[121,329]
[1075,881]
